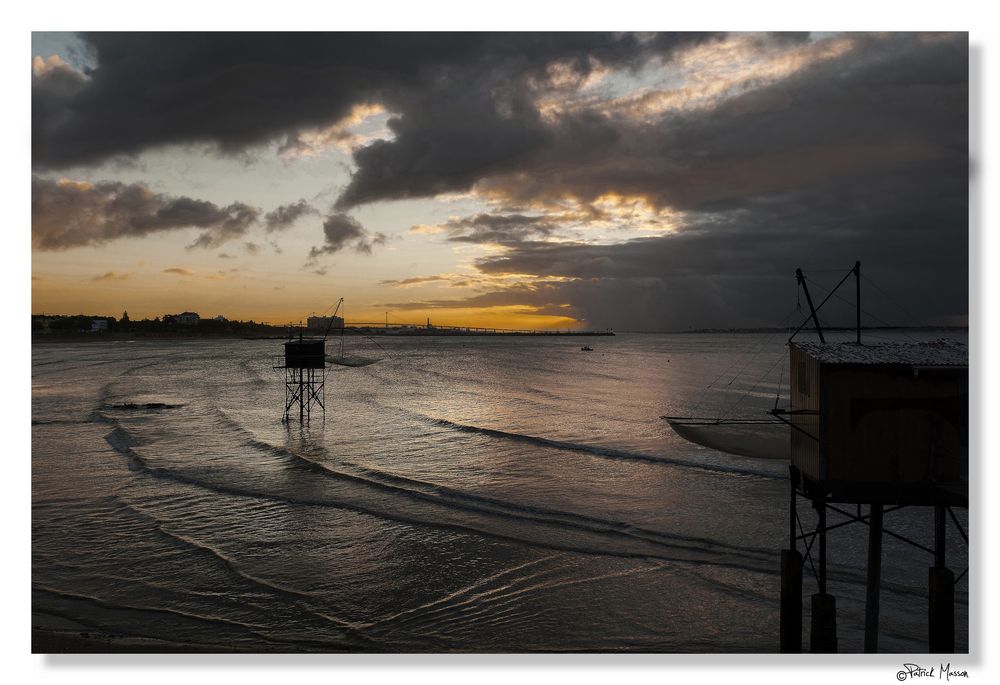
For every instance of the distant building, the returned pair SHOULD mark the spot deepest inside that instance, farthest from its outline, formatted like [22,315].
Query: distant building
[188,319]
[322,323]
[99,326]
[220,318]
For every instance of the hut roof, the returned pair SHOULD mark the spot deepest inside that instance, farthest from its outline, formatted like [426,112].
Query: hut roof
[933,353]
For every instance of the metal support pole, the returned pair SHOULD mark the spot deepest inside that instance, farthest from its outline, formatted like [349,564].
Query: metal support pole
[857,281]
[791,584]
[939,537]
[792,513]
[874,579]
[821,510]
[812,310]
[791,602]
[941,594]
[823,636]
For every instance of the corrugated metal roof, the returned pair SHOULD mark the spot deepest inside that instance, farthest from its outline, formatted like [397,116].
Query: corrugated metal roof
[933,353]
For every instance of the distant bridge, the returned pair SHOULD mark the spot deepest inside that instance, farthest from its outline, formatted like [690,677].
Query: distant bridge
[384,328]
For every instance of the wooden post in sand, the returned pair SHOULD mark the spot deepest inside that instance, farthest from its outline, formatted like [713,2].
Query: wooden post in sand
[874,579]
[791,583]
[941,594]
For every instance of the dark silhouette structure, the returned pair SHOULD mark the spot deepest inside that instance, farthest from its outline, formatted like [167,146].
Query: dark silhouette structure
[304,364]
[880,426]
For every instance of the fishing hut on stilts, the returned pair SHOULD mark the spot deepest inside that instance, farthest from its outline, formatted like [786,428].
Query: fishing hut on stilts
[874,428]
[304,366]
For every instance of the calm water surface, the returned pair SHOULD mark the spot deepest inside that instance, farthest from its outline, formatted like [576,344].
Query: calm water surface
[472,494]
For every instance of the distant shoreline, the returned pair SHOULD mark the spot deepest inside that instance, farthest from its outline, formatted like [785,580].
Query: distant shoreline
[416,333]
[181,335]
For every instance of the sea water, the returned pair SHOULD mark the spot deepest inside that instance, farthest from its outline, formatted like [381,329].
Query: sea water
[461,494]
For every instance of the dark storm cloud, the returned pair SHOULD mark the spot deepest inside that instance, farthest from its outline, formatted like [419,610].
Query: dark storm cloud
[864,156]
[286,215]
[234,90]
[67,214]
[494,228]
[54,85]
[858,153]
[466,112]
[445,143]
[476,123]
[885,102]
[735,266]
[340,231]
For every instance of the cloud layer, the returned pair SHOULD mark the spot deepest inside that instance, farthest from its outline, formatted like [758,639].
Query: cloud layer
[284,216]
[66,214]
[744,155]
[341,231]
[234,90]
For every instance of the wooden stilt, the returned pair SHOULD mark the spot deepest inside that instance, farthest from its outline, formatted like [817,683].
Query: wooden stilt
[791,601]
[874,579]
[823,636]
[941,594]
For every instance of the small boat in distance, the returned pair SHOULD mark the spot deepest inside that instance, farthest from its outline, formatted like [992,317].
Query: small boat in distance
[586,348]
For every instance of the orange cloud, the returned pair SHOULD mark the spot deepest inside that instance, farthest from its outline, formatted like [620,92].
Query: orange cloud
[708,73]
[341,135]
[113,276]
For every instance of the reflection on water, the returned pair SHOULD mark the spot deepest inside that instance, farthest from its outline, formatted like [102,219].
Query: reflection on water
[461,494]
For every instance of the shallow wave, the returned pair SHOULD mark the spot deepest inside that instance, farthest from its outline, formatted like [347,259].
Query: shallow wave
[596,450]
[298,596]
[104,603]
[253,631]
[447,496]
[484,522]
[593,450]
[601,524]
[53,422]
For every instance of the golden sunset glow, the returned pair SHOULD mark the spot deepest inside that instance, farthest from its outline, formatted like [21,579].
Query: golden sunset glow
[507,317]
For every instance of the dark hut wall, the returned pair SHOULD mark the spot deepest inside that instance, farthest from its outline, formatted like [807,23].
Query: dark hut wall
[893,424]
[805,395]
[894,430]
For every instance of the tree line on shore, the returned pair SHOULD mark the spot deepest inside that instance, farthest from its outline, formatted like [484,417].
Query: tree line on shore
[77,324]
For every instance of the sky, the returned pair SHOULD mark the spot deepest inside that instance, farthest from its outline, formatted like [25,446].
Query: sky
[639,181]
